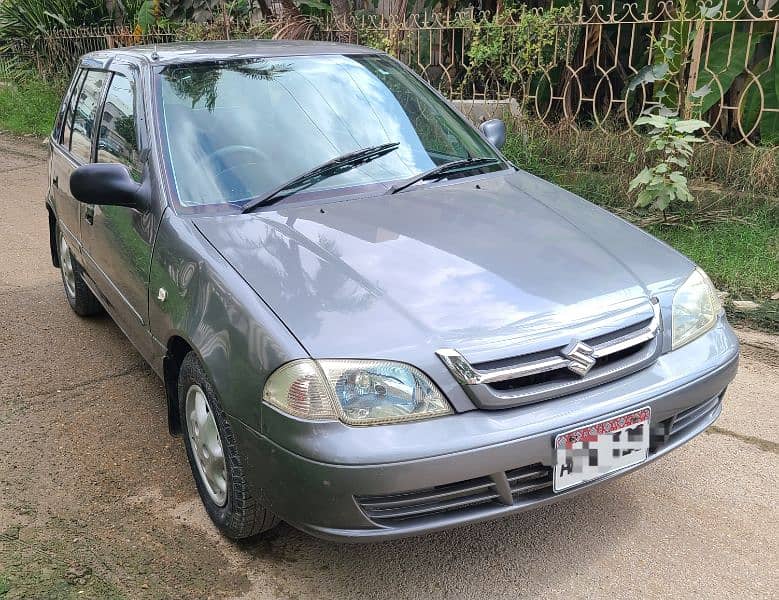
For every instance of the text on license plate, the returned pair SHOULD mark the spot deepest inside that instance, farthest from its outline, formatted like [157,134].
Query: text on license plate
[601,448]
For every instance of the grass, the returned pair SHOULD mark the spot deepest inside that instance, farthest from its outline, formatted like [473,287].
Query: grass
[28,108]
[741,258]
[733,169]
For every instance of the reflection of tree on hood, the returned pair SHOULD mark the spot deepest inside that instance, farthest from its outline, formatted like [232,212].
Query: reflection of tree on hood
[199,82]
[327,288]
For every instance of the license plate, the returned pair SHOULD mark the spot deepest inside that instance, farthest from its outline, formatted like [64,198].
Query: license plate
[596,450]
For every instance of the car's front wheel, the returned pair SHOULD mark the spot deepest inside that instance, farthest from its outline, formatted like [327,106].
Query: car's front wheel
[80,297]
[216,463]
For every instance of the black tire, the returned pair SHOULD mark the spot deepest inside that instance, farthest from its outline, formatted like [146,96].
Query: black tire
[242,515]
[79,296]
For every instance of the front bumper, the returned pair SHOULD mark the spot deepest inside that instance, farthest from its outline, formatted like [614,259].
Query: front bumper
[327,485]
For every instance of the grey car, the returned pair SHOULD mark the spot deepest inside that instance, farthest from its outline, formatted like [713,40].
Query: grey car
[368,322]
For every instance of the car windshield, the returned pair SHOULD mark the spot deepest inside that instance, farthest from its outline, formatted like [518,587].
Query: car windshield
[237,130]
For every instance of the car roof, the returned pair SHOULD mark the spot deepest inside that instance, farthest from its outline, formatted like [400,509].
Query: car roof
[185,52]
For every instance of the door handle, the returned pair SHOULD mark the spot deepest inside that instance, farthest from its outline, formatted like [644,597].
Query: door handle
[56,181]
[89,214]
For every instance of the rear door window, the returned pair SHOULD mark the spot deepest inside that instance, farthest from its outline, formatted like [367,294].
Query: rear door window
[117,141]
[85,115]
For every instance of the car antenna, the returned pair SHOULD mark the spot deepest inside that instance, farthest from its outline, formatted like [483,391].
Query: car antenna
[154,54]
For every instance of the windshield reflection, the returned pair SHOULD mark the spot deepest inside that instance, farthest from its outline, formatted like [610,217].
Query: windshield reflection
[237,130]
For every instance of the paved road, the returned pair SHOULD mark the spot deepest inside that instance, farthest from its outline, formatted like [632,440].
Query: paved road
[95,497]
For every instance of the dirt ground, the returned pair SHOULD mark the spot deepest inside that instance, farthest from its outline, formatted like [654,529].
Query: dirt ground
[96,499]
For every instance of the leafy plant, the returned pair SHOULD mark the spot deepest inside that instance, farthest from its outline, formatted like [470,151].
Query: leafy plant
[736,68]
[30,19]
[672,51]
[24,25]
[201,11]
[139,15]
[515,44]
[384,36]
[672,138]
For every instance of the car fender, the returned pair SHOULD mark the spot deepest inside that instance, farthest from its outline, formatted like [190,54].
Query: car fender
[198,301]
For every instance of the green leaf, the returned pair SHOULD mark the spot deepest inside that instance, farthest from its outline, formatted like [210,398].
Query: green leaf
[690,125]
[642,178]
[649,74]
[664,200]
[654,120]
[711,12]
[56,17]
[645,198]
[683,193]
[701,92]
[145,16]
[724,65]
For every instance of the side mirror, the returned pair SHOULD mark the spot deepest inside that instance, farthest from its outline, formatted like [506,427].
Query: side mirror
[107,184]
[495,132]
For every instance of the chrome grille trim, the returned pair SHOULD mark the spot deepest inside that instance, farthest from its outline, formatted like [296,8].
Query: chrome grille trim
[560,371]
[468,375]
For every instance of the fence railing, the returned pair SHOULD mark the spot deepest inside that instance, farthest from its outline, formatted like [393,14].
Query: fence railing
[576,67]
[567,62]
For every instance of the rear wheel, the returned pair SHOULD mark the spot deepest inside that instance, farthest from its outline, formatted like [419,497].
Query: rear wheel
[217,465]
[80,297]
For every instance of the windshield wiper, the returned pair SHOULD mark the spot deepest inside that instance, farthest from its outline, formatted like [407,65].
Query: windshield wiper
[331,168]
[441,171]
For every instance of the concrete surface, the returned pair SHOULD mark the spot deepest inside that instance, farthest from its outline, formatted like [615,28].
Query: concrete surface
[96,500]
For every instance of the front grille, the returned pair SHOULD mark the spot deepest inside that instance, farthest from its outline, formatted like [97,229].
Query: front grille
[564,376]
[522,482]
[633,344]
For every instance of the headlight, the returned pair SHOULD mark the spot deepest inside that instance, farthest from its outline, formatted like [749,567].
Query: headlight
[358,392]
[695,308]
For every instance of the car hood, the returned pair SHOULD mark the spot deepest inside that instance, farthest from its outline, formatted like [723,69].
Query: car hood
[469,265]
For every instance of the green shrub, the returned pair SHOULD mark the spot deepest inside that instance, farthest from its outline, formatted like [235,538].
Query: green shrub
[662,183]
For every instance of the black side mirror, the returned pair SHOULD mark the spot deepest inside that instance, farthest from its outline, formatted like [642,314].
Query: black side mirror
[495,132]
[107,184]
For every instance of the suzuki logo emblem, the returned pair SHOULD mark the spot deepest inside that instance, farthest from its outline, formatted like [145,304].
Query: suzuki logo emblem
[580,357]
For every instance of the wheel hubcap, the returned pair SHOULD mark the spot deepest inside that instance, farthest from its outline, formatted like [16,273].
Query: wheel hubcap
[66,263]
[206,444]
